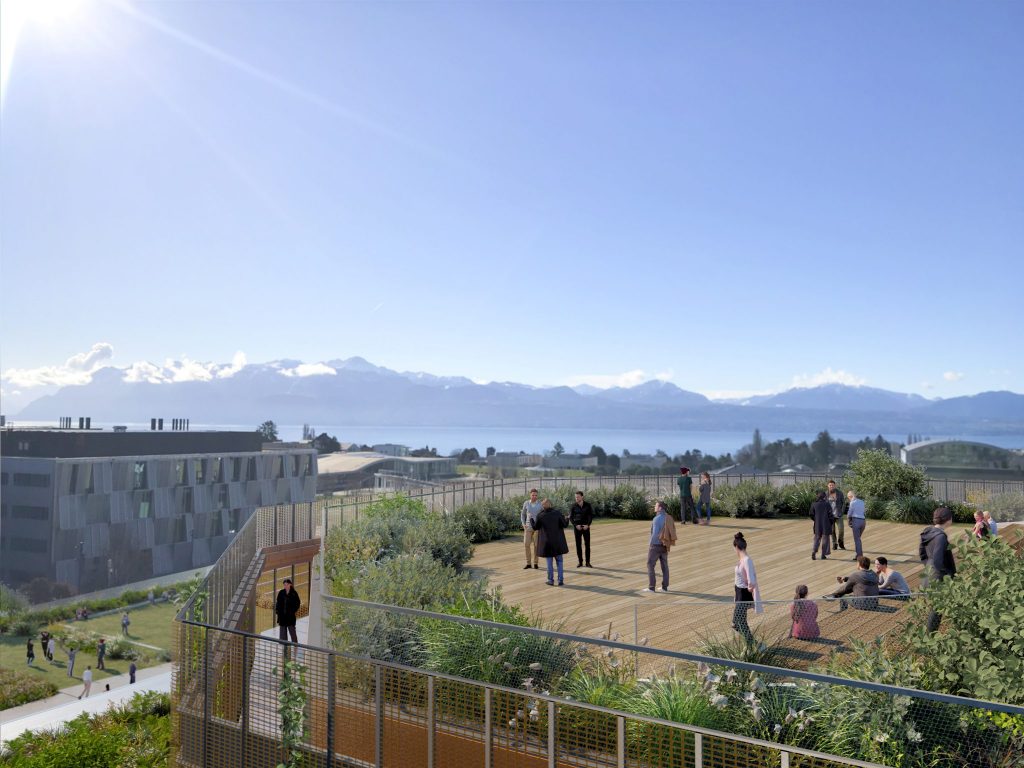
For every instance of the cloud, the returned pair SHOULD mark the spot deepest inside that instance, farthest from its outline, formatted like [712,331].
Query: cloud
[953,375]
[309,369]
[238,362]
[827,376]
[145,372]
[77,369]
[189,370]
[627,379]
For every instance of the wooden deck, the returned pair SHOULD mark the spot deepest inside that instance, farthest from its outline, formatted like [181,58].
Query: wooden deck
[610,596]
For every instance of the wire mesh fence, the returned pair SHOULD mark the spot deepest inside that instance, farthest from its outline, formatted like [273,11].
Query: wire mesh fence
[740,691]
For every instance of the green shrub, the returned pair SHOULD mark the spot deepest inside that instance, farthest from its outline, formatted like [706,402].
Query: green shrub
[119,648]
[488,519]
[442,538]
[1006,507]
[875,509]
[875,474]
[11,601]
[797,499]
[910,509]
[749,499]
[962,513]
[17,688]
[631,503]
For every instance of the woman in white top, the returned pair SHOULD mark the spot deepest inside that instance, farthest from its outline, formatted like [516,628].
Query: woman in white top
[747,592]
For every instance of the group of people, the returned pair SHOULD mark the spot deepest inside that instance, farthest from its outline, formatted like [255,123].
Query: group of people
[831,512]
[544,534]
[687,510]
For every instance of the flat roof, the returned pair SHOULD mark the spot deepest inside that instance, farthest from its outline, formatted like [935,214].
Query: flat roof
[356,461]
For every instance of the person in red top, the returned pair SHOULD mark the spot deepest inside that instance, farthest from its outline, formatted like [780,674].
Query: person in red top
[804,613]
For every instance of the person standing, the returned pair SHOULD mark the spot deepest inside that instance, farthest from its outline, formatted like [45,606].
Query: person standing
[821,511]
[855,515]
[71,661]
[51,646]
[286,609]
[527,516]
[101,654]
[704,498]
[551,522]
[686,508]
[132,669]
[747,591]
[936,556]
[581,516]
[837,503]
[663,536]
[125,621]
[87,681]
[30,652]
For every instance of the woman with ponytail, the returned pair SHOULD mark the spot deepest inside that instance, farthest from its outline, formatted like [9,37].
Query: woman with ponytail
[747,591]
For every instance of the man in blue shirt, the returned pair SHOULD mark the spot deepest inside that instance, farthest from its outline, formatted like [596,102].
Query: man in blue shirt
[858,522]
[663,536]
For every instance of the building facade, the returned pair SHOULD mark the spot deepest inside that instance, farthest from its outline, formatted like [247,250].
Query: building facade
[92,509]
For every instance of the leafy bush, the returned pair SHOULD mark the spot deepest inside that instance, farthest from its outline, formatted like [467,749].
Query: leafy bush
[1006,507]
[749,499]
[962,513]
[981,651]
[797,499]
[875,474]
[119,648]
[137,734]
[876,509]
[487,519]
[910,509]
[11,601]
[17,688]
[442,538]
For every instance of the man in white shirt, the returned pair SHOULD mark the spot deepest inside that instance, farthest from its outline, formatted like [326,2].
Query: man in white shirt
[528,515]
[855,516]
[87,680]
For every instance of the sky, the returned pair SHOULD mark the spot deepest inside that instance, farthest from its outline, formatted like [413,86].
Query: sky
[735,197]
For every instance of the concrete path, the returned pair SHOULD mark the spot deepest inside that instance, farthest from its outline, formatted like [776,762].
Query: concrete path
[53,712]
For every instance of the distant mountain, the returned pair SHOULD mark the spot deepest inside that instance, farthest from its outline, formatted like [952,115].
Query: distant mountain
[840,397]
[357,392]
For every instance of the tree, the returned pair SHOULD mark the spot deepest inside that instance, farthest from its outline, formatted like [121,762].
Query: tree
[491,450]
[881,444]
[822,449]
[597,450]
[424,452]
[758,447]
[268,431]
[877,475]
[468,455]
[558,450]
[324,443]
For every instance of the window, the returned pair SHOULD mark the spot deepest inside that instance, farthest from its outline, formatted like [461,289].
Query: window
[180,472]
[19,512]
[31,480]
[199,471]
[143,504]
[22,544]
[234,516]
[186,507]
[216,470]
[3,478]
[236,469]
[253,474]
[140,481]
[223,497]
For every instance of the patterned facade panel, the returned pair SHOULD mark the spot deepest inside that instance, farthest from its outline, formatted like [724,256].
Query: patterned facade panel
[163,502]
[71,512]
[66,571]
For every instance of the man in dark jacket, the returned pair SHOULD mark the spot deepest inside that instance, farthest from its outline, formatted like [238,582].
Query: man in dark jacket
[821,511]
[581,516]
[861,583]
[837,503]
[936,556]
[287,607]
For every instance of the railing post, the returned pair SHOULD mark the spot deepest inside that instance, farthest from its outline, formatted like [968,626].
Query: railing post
[620,742]
[378,742]
[698,750]
[552,745]
[245,698]
[785,759]
[488,728]
[206,691]
[431,722]
[330,710]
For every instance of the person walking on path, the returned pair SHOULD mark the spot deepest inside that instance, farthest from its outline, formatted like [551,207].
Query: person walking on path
[527,516]
[87,681]
[855,514]
[30,652]
[581,516]
[686,508]
[125,621]
[51,646]
[837,503]
[71,661]
[551,542]
[663,536]
[747,591]
[821,511]
[101,654]
[132,669]
[804,614]
[286,609]
[704,498]
[936,556]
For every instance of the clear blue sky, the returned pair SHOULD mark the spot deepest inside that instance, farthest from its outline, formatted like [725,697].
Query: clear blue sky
[735,196]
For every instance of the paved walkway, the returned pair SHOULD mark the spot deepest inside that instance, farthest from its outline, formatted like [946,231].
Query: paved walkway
[57,710]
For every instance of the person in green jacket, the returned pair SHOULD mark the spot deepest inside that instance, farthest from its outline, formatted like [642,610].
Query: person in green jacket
[687,509]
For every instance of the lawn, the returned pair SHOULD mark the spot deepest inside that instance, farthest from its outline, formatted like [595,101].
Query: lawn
[150,625]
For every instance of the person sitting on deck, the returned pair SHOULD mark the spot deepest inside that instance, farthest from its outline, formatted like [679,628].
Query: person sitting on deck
[862,583]
[804,613]
[890,582]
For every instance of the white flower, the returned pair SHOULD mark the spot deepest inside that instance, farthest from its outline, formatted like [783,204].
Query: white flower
[791,715]
[730,675]
[644,641]
[913,735]
[749,697]
[534,715]
[528,683]
[755,712]
[613,663]
[777,729]
[718,700]
[536,666]
[881,738]
[713,679]
[703,670]
[615,637]
[519,713]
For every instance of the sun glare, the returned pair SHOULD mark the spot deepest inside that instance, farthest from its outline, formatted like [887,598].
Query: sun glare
[15,15]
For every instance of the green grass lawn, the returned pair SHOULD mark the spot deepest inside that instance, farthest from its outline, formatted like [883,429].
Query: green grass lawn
[150,625]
